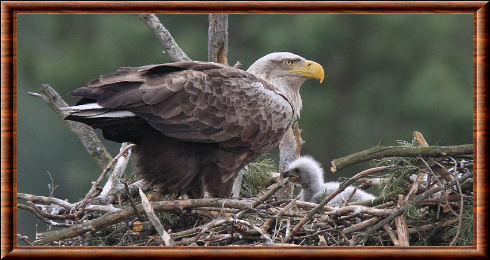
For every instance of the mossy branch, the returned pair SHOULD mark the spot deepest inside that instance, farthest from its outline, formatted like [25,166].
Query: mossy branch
[399,151]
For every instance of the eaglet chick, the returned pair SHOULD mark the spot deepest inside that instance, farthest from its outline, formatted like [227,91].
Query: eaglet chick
[308,172]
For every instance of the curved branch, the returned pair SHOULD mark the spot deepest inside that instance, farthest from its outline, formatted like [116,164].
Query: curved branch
[401,151]
[85,133]
[170,47]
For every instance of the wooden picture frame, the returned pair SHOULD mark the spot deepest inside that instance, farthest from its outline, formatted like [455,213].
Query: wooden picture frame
[479,9]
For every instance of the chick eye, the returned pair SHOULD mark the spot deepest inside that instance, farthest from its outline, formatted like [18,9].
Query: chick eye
[288,62]
[296,170]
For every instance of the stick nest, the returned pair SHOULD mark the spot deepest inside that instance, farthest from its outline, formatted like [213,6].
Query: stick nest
[432,198]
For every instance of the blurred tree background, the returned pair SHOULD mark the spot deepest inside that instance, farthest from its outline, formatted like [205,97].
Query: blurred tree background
[386,76]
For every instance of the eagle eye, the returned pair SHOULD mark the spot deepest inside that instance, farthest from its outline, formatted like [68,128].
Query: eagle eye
[296,170]
[288,62]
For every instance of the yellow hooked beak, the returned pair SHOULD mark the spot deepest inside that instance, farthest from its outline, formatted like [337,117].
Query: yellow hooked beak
[309,69]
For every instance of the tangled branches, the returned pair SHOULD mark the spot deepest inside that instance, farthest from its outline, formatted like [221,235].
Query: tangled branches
[415,206]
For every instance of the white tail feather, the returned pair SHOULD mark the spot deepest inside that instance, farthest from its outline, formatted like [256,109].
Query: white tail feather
[93,110]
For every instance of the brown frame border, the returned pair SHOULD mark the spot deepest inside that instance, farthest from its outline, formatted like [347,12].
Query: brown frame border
[9,9]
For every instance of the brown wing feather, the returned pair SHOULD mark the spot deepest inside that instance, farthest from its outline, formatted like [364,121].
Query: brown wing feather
[199,102]
[212,117]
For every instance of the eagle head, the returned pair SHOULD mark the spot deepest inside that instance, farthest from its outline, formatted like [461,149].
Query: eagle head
[286,72]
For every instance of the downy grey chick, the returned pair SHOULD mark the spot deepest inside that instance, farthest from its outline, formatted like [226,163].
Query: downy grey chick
[308,172]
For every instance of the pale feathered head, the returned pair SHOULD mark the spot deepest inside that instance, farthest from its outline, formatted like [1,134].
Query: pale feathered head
[305,170]
[286,72]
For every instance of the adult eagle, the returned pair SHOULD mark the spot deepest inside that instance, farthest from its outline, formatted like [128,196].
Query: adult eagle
[196,124]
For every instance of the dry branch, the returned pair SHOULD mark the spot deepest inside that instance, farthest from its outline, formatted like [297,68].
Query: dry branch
[341,188]
[170,47]
[266,196]
[401,225]
[64,204]
[360,226]
[114,178]
[237,184]
[248,222]
[154,219]
[95,189]
[86,134]
[111,218]
[399,151]
[363,237]
[218,38]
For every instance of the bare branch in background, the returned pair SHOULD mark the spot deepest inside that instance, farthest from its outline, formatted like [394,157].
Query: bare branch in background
[218,38]
[86,134]
[170,47]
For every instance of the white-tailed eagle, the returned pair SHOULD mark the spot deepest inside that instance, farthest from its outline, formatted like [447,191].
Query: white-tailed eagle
[196,124]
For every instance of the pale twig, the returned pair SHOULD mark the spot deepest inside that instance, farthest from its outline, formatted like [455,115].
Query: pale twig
[118,190]
[24,239]
[415,186]
[391,234]
[237,184]
[41,215]
[117,172]
[358,210]
[212,224]
[150,212]
[170,47]
[95,189]
[64,204]
[356,227]
[266,237]
[46,200]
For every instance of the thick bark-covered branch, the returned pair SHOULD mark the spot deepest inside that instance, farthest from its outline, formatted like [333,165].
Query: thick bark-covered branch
[109,219]
[86,134]
[218,38]
[170,47]
[400,151]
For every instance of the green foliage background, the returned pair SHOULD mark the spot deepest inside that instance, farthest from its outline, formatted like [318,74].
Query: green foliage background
[386,75]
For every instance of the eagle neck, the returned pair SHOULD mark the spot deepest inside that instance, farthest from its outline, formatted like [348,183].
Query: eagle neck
[289,88]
